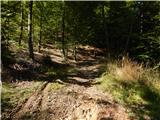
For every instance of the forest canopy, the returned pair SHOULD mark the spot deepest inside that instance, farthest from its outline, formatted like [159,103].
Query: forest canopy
[80,60]
[120,28]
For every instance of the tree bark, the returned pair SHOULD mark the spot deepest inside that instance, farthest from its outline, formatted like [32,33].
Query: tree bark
[57,30]
[63,29]
[75,51]
[106,35]
[76,26]
[128,39]
[141,17]
[22,17]
[40,34]
[30,40]
[8,35]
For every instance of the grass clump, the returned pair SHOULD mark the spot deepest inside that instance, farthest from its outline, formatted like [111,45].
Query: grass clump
[134,86]
[56,86]
[14,94]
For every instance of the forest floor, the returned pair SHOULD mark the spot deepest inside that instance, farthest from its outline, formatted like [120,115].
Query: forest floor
[57,91]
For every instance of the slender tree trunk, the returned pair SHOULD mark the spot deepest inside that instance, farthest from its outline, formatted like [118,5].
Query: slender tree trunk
[141,17]
[40,34]
[8,35]
[22,17]
[106,35]
[75,52]
[66,46]
[57,30]
[63,29]
[76,41]
[30,40]
[128,39]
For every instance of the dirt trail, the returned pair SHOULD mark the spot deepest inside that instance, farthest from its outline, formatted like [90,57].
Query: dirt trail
[32,105]
[78,100]
[73,102]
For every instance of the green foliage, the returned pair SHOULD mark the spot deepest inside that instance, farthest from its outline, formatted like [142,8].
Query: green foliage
[141,97]
[115,26]
[15,94]
[7,55]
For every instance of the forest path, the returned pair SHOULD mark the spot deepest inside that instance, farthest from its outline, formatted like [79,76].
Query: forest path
[79,99]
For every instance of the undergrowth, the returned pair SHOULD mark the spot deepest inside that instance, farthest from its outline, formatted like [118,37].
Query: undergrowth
[135,86]
[14,94]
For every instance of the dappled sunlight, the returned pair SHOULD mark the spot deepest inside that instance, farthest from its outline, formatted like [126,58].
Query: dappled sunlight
[135,87]
[80,60]
[52,77]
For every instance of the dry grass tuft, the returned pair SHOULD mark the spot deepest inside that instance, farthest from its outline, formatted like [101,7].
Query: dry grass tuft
[129,70]
[126,69]
[133,84]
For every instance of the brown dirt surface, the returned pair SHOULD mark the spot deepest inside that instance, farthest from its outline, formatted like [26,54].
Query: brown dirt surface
[72,102]
[79,99]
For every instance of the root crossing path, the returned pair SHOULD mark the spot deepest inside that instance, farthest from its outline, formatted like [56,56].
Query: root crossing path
[79,99]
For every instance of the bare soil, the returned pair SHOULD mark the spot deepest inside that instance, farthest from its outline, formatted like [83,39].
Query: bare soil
[72,102]
[79,99]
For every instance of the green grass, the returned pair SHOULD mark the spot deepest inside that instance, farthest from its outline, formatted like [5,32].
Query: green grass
[141,97]
[56,86]
[12,95]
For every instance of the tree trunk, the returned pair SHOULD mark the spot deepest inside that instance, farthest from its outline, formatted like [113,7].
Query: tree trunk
[40,34]
[8,35]
[30,40]
[63,37]
[22,17]
[75,52]
[76,41]
[106,35]
[128,39]
[141,17]
[57,30]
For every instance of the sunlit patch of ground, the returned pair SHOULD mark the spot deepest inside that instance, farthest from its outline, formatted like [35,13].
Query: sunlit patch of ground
[57,90]
[135,87]
[15,94]
[71,102]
